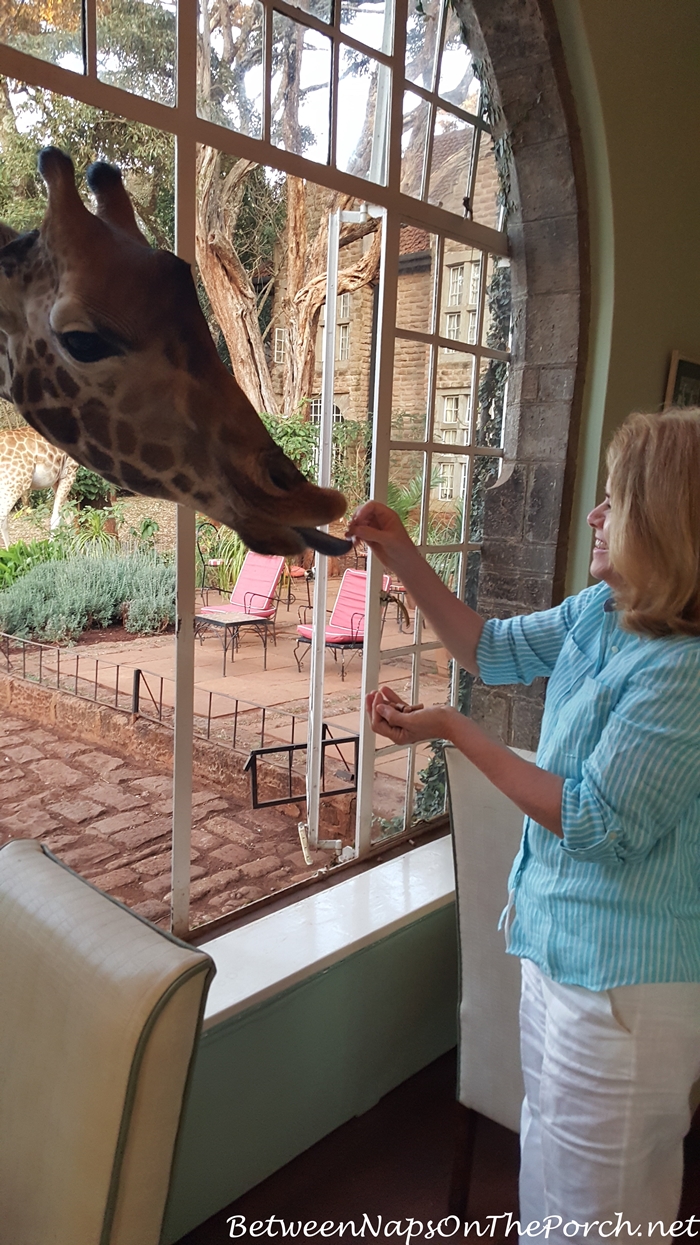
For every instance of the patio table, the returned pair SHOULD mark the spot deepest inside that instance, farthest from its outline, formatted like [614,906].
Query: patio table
[231,622]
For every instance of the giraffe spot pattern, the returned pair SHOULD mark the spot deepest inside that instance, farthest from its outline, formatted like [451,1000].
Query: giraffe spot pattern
[34,386]
[182,483]
[59,421]
[126,438]
[159,457]
[95,419]
[134,478]
[49,387]
[101,462]
[18,389]
[29,356]
[41,347]
[66,383]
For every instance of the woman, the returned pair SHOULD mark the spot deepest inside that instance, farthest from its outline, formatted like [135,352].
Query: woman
[605,891]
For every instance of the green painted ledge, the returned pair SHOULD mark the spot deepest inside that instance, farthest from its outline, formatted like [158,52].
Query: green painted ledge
[272,1080]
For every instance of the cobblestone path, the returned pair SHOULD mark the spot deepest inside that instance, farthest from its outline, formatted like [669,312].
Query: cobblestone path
[110,820]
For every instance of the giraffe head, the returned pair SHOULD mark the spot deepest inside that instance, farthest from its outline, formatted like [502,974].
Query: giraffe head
[105,351]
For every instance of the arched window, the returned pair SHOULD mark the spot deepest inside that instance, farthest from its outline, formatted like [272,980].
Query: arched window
[394,114]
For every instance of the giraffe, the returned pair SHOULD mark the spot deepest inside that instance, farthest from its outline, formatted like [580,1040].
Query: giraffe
[105,351]
[28,461]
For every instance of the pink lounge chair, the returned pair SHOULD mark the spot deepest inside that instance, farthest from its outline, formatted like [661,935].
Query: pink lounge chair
[253,603]
[345,631]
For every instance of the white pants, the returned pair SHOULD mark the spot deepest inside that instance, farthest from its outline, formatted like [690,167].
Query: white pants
[607,1081]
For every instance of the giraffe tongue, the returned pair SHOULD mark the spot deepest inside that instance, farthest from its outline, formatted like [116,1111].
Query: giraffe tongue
[323,542]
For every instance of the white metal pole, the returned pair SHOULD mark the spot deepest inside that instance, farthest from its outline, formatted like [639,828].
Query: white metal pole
[318,642]
[380,475]
[185,200]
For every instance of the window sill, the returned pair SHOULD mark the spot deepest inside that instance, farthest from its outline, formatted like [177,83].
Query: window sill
[262,959]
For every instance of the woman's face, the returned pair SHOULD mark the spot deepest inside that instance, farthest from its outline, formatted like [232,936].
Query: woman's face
[599,519]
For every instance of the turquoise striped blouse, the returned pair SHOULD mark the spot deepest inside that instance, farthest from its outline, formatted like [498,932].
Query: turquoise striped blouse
[617,900]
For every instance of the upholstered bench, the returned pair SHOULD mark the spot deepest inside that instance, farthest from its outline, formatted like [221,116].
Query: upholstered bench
[99,1014]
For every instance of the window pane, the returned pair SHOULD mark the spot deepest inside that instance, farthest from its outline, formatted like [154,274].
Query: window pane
[448,484]
[301,62]
[410,392]
[405,488]
[414,308]
[319,8]
[389,790]
[230,66]
[50,32]
[369,21]
[487,195]
[497,313]
[449,167]
[490,402]
[136,46]
[485,473]
[458,83]
[416,116]
[363,101]
[421,41]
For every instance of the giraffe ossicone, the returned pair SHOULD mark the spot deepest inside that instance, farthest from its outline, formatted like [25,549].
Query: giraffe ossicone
[106,352]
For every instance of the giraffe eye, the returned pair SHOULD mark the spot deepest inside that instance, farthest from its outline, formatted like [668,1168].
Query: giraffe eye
[87,347]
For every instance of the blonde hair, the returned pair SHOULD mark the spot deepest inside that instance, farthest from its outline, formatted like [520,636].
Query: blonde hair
[654,542]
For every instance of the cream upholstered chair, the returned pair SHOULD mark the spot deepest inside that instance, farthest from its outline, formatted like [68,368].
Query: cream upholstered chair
[99,1016]
[486,831]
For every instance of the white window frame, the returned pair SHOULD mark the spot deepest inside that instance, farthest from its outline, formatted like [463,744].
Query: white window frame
[455,293]
[343,307]
[453,325]
[383,189]
[450,408]
[474,282]
[446,484]
[280,345]
[343,343]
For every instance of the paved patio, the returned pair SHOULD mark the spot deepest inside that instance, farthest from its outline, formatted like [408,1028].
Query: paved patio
[109,817]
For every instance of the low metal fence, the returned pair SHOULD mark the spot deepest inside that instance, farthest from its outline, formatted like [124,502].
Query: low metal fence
[228,720]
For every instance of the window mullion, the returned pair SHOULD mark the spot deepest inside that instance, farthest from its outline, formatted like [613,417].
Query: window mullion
[185,206]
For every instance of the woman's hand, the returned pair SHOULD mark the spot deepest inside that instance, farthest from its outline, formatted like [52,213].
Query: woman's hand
[391,717]
[381,528]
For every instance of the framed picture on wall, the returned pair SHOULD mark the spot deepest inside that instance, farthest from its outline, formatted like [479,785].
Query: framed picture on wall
[683,388]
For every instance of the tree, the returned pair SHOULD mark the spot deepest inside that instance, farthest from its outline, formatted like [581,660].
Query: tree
[255,228]
[240,295]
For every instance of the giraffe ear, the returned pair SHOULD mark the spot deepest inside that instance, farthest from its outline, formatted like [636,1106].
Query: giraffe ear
[12,257]
[113,203]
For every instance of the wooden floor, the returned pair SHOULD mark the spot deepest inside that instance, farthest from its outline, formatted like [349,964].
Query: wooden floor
[396,1162]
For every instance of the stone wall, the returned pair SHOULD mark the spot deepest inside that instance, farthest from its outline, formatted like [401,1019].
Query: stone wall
[527,513]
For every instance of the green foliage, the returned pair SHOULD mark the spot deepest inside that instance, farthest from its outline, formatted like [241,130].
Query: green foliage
[352,455]
[145,155]
[20,558]
[144,536]
[60,603]
[297,435]
[224,547]
[89,487]
[492,386]
[405,499]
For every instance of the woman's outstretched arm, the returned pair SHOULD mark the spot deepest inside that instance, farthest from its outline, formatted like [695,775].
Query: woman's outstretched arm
[457,626]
